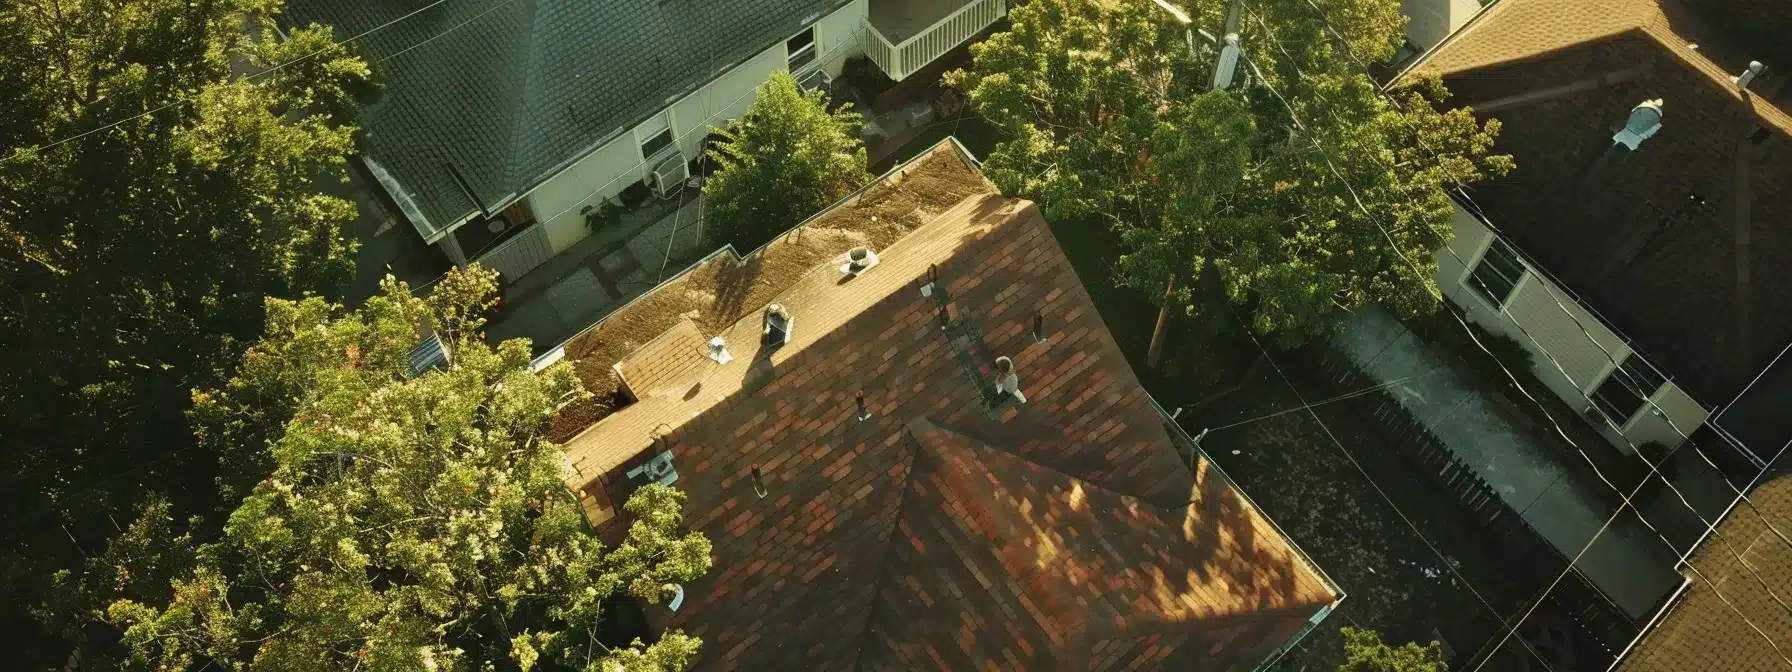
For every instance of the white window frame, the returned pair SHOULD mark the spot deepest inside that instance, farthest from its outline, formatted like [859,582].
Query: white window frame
[1469,282]
[813,48]
[655,126]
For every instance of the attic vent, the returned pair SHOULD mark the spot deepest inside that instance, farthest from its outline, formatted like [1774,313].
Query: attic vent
[1007,381]
[718,350]
[1748,76]
[1644,123]
[777,325]
[858,260]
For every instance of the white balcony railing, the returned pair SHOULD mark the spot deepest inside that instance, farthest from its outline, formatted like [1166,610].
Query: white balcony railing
[908,57]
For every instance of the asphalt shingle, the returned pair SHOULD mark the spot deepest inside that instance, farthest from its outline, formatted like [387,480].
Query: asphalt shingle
[509,91]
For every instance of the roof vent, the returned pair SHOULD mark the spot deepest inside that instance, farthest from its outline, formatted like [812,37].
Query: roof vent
[864,412]
[1039,327]
[1007,381]
[777,325]
[758,483]
[1748,76]
[858,260]
[718,350]
[1644,123]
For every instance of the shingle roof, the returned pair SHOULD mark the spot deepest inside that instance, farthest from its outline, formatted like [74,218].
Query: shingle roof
[810,576]
[1700,632]
[1691,287]
[510,91]
[1037,569]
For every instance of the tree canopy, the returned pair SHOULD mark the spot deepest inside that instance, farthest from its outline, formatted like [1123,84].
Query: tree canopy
[404,521]
[151,196]
[787,158]
[1365,652]
[1255,194]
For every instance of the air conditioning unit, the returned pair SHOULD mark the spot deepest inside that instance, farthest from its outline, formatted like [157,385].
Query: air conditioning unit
[670,174]
[816,80]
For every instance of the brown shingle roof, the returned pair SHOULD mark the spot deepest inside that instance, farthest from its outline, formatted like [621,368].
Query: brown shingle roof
[1700,632]
[1037,569]
[801,572]
[1691,286]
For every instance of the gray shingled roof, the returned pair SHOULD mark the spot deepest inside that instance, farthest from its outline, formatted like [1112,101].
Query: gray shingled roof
[522,87]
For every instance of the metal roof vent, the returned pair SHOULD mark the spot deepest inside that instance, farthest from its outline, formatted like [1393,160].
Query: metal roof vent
[858,260]
[718,350]
[777,325]
[1007,381]
[1748,76]
[1644,123]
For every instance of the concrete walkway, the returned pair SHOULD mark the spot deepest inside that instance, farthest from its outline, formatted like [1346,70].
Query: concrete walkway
[1627,561]
[578,287]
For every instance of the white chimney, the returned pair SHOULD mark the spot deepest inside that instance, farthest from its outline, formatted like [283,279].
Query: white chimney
[1007,381]
[1748,76]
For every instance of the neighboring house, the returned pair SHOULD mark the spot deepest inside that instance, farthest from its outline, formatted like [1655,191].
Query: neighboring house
[881,496]
[1712,623]
[502,122]
[1648,266]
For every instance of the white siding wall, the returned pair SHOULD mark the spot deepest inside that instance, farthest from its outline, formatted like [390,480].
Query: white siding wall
[1578,342]
[616,165]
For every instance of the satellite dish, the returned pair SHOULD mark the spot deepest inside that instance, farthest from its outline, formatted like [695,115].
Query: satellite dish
[1644,123]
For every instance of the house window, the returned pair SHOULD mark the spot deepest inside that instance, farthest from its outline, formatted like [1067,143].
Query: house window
[801,49]
[1496,273]
[1626,389]
[655,136]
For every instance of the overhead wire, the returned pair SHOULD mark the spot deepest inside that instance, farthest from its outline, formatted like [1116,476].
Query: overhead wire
[1626,499]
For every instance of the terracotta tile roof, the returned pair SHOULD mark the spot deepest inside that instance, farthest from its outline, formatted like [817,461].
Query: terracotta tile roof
[1691,286]
[1700,632]
[802,572]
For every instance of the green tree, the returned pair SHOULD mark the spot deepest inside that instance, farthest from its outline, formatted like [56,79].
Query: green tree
[149,201]
[1365,652]
[1226,195]
[407,521]
[787,158]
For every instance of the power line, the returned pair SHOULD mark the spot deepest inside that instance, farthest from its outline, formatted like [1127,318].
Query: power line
[1377,486]
[1437,294]
[1617,369]
[187,99]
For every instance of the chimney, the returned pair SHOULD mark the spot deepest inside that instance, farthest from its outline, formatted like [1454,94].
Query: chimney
[1007,381]
[777,325]
[1748,76]
[718,350]
[858,260]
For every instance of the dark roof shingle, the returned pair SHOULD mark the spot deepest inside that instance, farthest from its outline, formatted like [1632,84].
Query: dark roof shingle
[1691,286]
